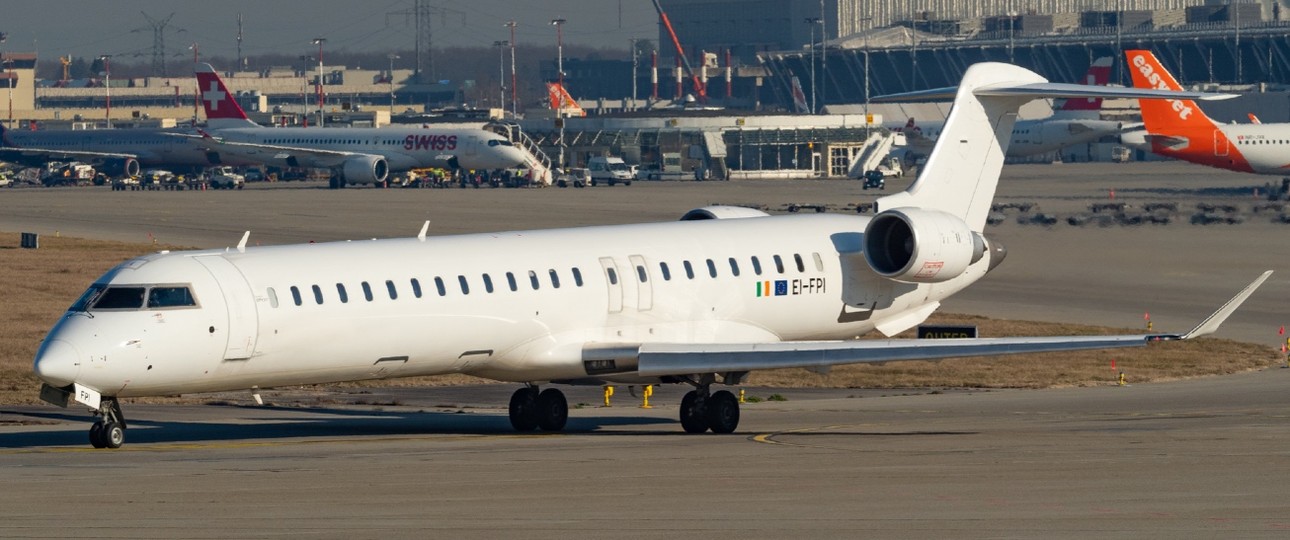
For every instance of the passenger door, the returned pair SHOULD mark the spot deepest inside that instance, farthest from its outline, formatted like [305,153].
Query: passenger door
[239,302]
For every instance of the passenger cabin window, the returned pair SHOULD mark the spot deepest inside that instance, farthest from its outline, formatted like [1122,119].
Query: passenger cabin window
[734,267]
[488,283]
[756,265]
[465,287]
[689,269]
[317,294]
[819,263]
[533,280]
[801,267]
[510,282]
[712,268]
[273,297]
[555,278]
[779,264]
[613,276]
[167,297]
[389,287]
[340,291]
[120,298]
[640,274]
[438,285]
[295,295]
[416,288]
[667,274]
[577,276]
[367,291]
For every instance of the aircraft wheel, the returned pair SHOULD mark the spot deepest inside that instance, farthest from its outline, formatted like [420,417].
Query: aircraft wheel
[96,435]
[723,412]
[693,419]
[113,435]
[523,410]
[552,410]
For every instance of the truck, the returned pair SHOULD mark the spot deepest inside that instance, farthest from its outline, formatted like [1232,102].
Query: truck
[668,169]
[610,170]
[226,178]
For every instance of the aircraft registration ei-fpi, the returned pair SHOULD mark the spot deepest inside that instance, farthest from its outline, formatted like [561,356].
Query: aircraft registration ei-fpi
[701,301]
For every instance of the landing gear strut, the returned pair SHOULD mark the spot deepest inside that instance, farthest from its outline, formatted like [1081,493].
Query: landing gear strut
[701,411]
[531,409]
[108,432]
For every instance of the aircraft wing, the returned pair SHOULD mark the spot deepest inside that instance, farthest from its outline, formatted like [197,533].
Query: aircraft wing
[321,157]
[1049,90]
[662,359]
[26,155]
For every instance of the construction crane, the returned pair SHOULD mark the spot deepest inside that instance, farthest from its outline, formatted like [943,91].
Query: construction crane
[680,53]
[67,61]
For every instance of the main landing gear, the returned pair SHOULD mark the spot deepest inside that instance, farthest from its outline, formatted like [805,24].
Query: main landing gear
[531,409]
[109,431]
[701,411]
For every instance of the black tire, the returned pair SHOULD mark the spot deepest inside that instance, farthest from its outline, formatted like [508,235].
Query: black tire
[552,410]
[593,182]
[611,182]
[96,435]
[693,419]
[113,435]
[627,182]
[723,412]
[523,409]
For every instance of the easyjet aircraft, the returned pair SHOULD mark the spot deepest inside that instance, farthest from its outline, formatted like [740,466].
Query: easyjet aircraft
[1074,121]
[701,301]
[1179,129]
[355,155]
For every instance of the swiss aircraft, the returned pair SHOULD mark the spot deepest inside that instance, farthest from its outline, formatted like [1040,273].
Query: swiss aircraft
[115,152]
[701,301]
[1074,121]
[1179,129]
[355,155]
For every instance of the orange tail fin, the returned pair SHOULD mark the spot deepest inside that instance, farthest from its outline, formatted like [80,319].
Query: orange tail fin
[1164,117]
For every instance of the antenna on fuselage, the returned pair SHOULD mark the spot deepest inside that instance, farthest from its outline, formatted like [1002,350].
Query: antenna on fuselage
[241,246]
[424,227]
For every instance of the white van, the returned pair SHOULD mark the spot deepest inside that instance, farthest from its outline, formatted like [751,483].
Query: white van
[610,170]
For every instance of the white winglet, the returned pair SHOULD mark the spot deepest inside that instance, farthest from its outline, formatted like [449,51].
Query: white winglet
[241,246]
[1211,323]
[424,227]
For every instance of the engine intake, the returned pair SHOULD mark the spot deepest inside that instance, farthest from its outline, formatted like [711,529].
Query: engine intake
[921,246]
[365,169]
[120,167]
[722,212]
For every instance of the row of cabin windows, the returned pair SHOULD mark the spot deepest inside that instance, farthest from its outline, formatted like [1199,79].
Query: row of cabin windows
[440,287]
[512,283]
[387,142]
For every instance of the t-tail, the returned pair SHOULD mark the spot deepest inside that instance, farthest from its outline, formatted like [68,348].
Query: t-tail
[799,97]
[222,111]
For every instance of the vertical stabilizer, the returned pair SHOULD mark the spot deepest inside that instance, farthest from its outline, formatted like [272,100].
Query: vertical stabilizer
[222,110]
[799,97]
[1099,74]
[1163,117]
[971,144]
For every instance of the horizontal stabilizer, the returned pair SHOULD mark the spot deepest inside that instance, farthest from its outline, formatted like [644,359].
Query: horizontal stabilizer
[1050,90]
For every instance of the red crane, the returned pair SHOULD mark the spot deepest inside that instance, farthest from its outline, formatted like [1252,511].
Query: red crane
[680,53]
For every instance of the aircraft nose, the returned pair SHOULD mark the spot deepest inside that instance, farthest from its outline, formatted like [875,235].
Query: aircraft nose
[57,363]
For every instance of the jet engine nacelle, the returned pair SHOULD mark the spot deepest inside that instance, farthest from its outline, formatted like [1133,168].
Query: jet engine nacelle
[920,246]
[722,212]
[365,170]
[120,167]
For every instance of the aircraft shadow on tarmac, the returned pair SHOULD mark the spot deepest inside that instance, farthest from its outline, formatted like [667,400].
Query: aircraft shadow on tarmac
[276,423]
[1223,192]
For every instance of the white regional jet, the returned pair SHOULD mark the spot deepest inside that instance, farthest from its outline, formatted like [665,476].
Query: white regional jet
[699,301]
[355,155]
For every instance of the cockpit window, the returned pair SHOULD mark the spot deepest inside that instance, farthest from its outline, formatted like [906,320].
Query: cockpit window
[164,297]
[87,298]
[120,298]
[499,142]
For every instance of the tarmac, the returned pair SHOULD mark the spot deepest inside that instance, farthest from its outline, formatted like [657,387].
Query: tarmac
[1202,458]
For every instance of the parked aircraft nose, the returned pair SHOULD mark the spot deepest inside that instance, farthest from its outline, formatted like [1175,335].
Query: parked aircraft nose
[57,363]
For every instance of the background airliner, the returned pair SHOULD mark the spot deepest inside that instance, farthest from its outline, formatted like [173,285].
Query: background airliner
[355,155]
[115,152]
[1179,129]
[700,301]
[1074,121]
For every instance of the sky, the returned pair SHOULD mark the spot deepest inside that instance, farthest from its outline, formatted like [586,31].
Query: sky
[89,28]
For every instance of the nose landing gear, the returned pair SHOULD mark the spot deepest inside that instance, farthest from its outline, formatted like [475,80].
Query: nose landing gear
[108,432]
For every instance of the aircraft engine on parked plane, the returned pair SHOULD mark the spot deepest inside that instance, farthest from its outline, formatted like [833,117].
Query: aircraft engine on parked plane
[365,169]
[921,246]
[120,167]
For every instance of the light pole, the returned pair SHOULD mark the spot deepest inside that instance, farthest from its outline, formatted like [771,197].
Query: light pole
[813,21]
[107,85]
[634,66]
[865,22]
[304,89]
[319,42]
[501,73]
[559,68]
[515,108]
[197,90]
[1012,25]
[392,58]
[8,62]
